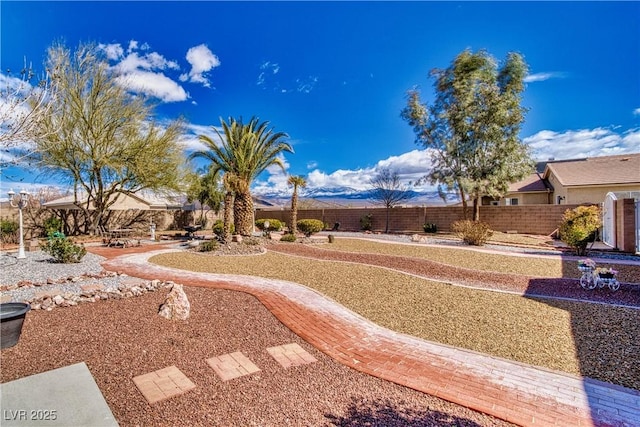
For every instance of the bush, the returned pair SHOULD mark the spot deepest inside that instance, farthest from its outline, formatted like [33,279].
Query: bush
[579,227]
[208,246]
[52,224]
[310,226]
[366,222]
[289,238]
[474,233]
[218,228]
[274,224]
[8,231]
[430,228]
[63,249]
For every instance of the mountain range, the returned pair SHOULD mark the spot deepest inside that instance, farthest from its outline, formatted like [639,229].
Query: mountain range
[346,197]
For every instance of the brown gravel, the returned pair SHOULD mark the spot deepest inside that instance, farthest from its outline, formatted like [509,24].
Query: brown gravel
[594,340]
[122,339]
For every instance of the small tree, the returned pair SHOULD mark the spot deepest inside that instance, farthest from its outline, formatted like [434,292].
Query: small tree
[472,128]
[297,182]
[101,138]
[206,189]
[24,101]
[579,227]
[389,191]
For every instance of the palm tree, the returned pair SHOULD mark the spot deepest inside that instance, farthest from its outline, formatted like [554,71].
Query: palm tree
[244,151]
[297,182]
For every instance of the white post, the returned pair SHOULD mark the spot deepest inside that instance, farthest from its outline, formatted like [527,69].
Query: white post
[21,253]
[22,202]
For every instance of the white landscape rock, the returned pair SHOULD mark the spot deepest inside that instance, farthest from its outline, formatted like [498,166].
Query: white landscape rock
[176,305]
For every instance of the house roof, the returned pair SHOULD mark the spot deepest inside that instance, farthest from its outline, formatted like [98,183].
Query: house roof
[531,184]
[607,170]
[146,200]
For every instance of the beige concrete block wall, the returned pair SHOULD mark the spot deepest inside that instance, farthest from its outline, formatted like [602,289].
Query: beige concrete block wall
[531,219]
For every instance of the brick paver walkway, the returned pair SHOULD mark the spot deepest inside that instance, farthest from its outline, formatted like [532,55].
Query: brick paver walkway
[512,391]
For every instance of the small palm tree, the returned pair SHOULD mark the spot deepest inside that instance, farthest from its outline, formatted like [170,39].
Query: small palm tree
[245,151]
[297,182]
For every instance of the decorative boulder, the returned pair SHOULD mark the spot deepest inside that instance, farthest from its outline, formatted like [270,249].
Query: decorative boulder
[176,305]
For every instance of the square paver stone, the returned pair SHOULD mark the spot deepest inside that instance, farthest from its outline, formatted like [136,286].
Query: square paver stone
[163,384]
[232,365]
[289,355]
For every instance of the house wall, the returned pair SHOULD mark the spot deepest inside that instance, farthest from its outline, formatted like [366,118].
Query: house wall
[578,195]
[529,219]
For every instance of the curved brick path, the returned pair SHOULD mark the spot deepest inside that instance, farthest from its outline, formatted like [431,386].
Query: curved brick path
[512,391]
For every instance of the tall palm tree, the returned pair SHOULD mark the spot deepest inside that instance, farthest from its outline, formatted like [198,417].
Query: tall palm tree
[244,151]
[297,182]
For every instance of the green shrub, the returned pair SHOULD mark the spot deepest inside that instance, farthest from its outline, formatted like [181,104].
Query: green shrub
[8,231]
[208,246]
[63,249]
[289,238]
[274,224]
[366,222]
[218,228]
[579,227]
[430,228]
[310,226]
[472,232]
[51,225]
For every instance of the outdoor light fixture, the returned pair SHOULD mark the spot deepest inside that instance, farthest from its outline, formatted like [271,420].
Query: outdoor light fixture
[21,202]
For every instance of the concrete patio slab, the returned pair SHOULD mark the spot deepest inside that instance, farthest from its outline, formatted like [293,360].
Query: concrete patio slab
[66,396]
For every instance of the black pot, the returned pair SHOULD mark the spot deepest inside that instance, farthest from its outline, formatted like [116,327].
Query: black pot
[12,316]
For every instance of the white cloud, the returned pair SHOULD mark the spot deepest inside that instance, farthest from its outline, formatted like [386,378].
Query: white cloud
[636,112]
[306,85]
[540,77]
[143,71]
[202,61]
[114,51]
[583,143]
[312,164]
[154,84]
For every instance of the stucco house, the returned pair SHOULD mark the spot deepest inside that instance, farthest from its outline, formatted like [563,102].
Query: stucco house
[576,181]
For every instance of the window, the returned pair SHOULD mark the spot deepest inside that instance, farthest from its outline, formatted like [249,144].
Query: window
[512,202]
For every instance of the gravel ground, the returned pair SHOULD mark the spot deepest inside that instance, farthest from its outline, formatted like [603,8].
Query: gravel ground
[587,339]
[122,339]
[41,274]
[594,340]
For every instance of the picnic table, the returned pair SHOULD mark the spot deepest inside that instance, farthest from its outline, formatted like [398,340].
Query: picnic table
[120,237]
[192,230]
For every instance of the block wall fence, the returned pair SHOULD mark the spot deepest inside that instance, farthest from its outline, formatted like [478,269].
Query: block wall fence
[526,219]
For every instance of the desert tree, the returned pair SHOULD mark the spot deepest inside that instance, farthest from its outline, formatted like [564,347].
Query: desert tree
[297,182]
[25,97]
[206,188]
[100,138]
[388,190]
[243,151]
[472,127]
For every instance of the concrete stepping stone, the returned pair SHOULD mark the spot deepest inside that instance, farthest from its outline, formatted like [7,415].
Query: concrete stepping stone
[163,384]
[232,365]
[289,355]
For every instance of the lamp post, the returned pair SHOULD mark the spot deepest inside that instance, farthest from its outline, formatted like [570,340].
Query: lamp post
[20,204]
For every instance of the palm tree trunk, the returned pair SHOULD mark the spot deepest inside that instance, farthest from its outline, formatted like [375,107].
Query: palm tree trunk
[228,211]
[293,226]
[243,213]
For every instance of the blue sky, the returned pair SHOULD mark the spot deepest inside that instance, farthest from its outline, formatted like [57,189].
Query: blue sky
[334,75]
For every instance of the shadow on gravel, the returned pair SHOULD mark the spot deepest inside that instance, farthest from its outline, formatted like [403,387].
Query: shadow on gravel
[385,413]
[607,344]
